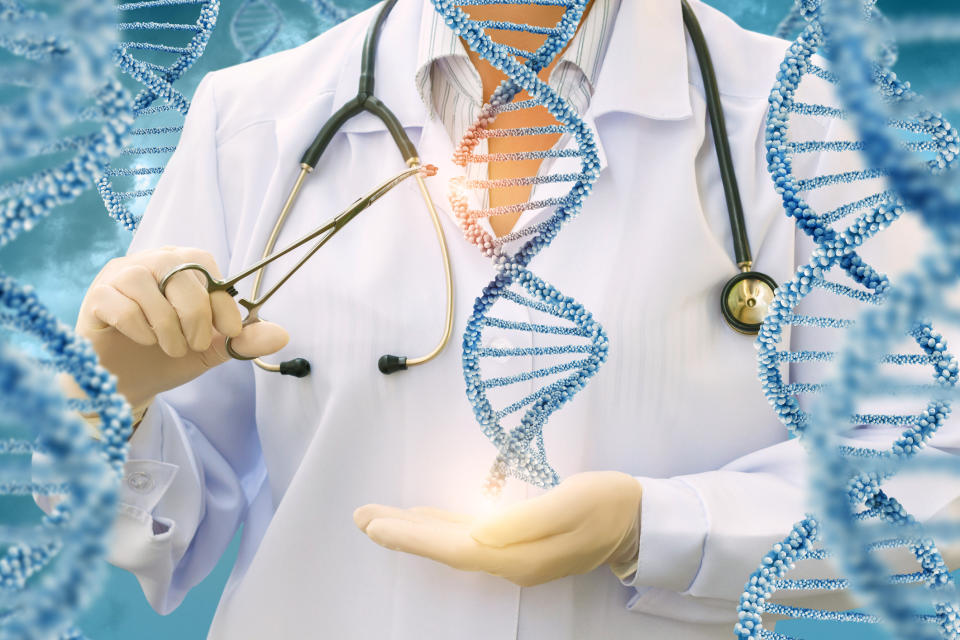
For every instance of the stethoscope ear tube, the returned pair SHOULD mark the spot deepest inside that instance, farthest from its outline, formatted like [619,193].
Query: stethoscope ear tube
[746,297]
[298,368]
[365,101]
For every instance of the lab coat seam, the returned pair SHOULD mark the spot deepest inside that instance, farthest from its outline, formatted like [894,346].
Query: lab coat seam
[216,171]
[162,435]
[131,511]
[706,532]
[198,469]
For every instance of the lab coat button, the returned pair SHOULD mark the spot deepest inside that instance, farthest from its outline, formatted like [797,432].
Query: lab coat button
[140,481]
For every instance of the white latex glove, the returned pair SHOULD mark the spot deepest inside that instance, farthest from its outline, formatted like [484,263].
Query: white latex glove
[589,519]
[153,342]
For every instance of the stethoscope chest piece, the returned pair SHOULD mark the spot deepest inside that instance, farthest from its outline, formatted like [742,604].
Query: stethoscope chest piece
[745,300]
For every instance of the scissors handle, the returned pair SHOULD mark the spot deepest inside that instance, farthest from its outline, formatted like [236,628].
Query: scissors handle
[212,283]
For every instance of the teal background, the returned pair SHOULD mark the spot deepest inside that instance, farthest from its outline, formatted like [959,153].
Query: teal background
[62,255]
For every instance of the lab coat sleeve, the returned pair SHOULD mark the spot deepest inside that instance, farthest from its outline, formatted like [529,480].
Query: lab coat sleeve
[194,461]
[703,534]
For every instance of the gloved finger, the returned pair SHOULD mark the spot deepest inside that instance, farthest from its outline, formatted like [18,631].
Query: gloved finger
[533,519]
[188,297]
[260,339]
[136,282]
[444,542]
[116,310]
[365,514]
[226,312]
[443,514]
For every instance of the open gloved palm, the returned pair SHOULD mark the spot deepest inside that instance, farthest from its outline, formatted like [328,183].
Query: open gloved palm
[589,519]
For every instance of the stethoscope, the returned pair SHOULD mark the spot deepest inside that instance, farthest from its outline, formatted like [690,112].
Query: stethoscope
[746,296]
[743,301]
[363,101]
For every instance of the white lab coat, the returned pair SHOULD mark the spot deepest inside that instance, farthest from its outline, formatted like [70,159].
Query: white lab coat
[678,404]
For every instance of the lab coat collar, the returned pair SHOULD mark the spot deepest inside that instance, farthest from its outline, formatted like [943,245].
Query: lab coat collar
[648,43]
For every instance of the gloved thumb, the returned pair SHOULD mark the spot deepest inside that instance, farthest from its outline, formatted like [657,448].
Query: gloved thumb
[256,340]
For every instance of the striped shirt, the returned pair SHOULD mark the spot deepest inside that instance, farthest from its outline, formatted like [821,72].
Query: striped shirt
[450,86]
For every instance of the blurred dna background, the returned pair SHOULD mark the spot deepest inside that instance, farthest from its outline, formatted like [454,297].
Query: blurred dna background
[87,226]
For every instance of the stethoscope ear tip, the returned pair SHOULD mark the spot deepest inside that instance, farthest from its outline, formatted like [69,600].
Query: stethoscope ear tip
[390,364]
[298,368]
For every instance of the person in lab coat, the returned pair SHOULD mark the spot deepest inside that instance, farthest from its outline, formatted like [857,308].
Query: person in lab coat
[672,439]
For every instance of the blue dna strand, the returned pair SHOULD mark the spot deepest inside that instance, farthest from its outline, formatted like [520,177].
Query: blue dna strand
[62,117]
[568,342]
[159,108]
[792,22]
[50,68]
[51,567]
[61,102]
[928,292]
[328,10]
[875,522]
[258,24]
[255,26]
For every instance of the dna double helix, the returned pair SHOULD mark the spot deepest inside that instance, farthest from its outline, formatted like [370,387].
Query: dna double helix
[255,26]
[926,293]
[851,478]
[66,103]
[50,569]
[159,107]
[328,10]
[567,329]
[52,135]
[64,117]
[48,74]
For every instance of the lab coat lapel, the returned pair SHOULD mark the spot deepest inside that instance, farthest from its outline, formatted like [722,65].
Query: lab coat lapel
[436,148]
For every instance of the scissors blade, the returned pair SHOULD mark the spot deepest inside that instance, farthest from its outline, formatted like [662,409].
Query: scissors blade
[364,202]
[329,228]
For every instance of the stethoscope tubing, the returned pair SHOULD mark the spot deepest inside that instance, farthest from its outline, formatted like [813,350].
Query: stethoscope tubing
[721,140]
[763,285]
[365,101]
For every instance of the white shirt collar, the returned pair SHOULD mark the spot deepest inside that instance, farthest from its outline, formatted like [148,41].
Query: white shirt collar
[647,42]
[584,55]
